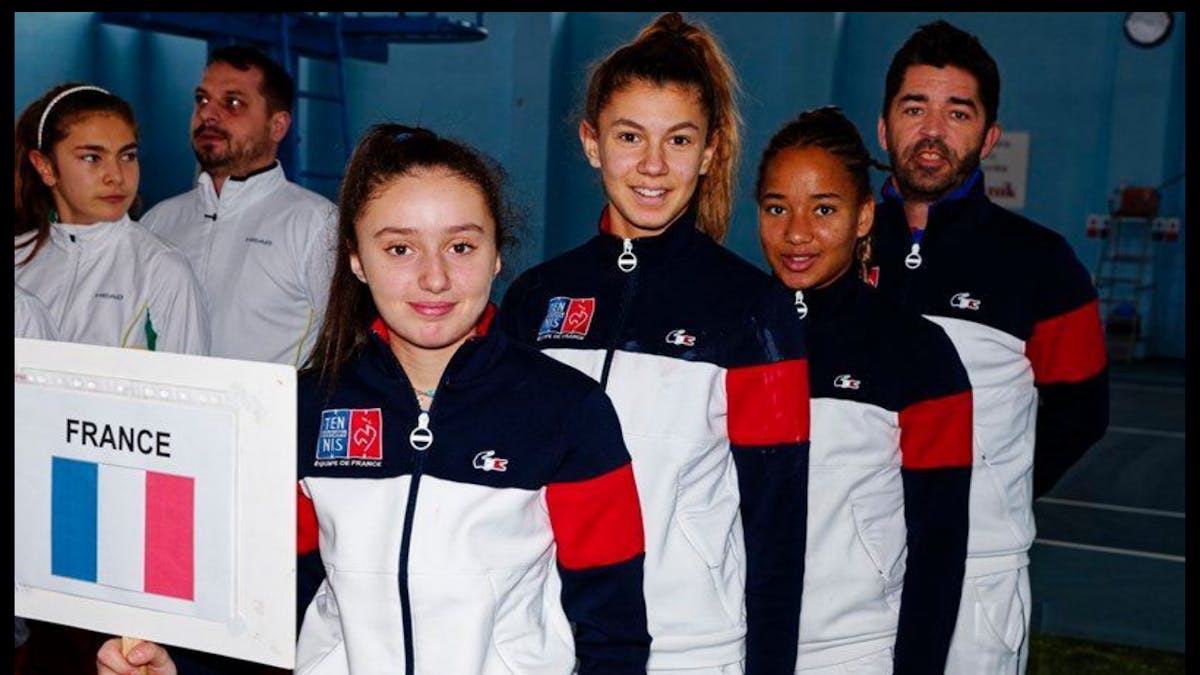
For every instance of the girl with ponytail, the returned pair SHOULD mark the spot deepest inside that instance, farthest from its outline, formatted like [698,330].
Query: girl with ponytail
[702,355]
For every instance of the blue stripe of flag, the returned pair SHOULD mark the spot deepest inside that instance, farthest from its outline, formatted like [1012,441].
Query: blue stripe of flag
[73,519]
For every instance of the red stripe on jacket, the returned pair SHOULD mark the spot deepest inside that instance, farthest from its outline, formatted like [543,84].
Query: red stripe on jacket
[936,433]
[1068,347]
[768,404]
[597,521]
[306,523]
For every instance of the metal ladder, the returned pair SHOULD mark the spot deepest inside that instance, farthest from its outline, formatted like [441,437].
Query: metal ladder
[1124,282]
[292,155]
[317,36]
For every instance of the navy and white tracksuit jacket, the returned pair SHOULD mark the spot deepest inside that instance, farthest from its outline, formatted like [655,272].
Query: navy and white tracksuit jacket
[1023,315]
[703,357]
[428,542]
[890,471]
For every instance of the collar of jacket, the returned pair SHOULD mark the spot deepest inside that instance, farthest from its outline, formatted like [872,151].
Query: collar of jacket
[240,191]
[947,209]
[675,240]
[67,234]
[473,360]
[836,298]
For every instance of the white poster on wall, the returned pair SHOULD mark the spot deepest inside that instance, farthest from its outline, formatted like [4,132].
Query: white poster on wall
[1006,170]
[155,497]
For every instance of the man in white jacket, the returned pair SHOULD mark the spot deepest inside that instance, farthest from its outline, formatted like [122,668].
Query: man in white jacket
[262,246]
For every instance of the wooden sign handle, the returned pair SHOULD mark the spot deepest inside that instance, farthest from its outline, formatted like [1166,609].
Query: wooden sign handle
[128,643]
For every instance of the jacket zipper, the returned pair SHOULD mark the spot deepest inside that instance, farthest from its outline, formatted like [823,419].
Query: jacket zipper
[76,251]
[421,440]
[801,308]
[913,261]
[207,272]
[627,262]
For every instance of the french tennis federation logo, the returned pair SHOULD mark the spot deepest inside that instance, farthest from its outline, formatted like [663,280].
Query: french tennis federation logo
[351,433]
[567,318]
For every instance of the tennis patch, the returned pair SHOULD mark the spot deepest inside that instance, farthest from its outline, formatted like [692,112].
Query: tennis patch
[567,318]
[350,434]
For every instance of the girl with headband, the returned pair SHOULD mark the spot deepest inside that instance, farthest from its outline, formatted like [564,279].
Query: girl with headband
[104,279]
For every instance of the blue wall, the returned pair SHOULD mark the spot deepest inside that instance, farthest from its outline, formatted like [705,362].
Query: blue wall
[155,73]
[1098,110]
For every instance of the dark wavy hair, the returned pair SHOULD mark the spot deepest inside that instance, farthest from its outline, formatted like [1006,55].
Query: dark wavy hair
[277,86]
[939,44]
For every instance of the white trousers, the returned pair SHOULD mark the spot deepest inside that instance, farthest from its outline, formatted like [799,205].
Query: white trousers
[992,633]
[875,663]
[727,669]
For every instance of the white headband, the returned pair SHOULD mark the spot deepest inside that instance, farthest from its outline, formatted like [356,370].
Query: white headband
[56,99]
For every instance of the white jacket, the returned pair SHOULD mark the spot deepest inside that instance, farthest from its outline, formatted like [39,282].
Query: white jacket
[263,251]
[31,319]
[117,285]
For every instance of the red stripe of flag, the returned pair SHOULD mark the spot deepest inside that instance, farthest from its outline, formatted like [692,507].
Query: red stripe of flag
[596,521]
[768,404]
[169,563]
[936,433]
[1068,347]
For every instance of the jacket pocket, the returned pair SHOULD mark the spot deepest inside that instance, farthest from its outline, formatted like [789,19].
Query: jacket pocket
[1005,503]
[532,635]
[1000,608]
[712,532]
[321,648]
[881,530]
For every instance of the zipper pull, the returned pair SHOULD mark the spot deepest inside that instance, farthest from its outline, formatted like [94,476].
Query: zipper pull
[421,437]
[913,260]
[801,308]
[627,261]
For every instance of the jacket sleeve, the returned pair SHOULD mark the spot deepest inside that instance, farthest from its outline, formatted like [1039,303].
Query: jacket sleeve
[176,318]
[768,423]
[1068,354]
[316,270]
[936,456]
[310,570]
[597,522]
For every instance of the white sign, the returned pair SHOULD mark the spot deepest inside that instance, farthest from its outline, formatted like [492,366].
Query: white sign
[137,496]
[1006,170]
[155,497]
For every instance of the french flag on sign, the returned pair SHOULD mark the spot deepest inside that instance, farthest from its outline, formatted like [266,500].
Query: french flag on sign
[123,527]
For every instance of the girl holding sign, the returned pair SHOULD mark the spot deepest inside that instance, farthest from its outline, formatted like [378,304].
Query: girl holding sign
[466,504]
